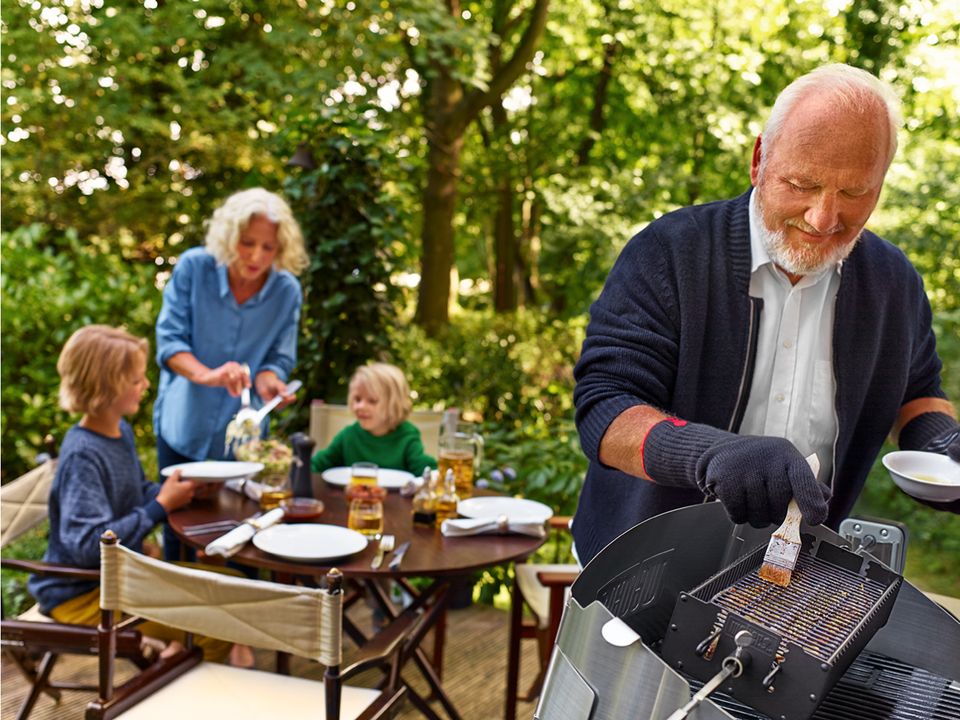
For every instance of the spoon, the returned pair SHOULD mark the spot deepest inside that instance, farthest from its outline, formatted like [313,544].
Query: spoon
[260,414]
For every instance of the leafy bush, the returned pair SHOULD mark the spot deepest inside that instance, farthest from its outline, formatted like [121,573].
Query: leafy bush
[13,585]
[514,373]
[52,285]
[350,228]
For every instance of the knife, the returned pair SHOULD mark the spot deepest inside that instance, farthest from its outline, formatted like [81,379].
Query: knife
[398,556]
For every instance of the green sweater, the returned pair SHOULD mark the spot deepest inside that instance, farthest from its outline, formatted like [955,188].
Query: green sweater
[400,449]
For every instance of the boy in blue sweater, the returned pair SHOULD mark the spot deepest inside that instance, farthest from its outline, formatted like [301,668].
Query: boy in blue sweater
[99,483]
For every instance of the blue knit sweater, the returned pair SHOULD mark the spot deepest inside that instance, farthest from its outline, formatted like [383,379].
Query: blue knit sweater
[675,328]
[99,486]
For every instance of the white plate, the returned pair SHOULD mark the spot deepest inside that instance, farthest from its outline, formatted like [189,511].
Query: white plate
[390,479]
[925,475]
[310,542]
[516,509]
[214,470]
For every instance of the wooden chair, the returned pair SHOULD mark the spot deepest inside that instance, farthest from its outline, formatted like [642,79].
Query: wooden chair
[327,419]
[303,621]
[541,589]
[33,641]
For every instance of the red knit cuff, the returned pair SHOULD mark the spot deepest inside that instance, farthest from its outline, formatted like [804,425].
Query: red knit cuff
[675,421]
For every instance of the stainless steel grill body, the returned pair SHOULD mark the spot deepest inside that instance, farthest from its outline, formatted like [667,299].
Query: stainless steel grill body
[629,591]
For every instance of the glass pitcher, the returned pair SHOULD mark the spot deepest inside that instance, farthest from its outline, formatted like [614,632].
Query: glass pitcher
[461,450]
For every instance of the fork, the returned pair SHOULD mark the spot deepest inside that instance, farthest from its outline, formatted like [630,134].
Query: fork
[386,545]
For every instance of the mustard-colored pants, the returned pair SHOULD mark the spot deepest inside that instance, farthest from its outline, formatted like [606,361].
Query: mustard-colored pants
[85,610]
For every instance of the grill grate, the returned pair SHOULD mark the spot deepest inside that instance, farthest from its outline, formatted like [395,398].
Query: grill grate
[818,610]
[875,687]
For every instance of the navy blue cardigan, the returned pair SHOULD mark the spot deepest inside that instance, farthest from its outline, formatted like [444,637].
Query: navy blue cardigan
[675,328]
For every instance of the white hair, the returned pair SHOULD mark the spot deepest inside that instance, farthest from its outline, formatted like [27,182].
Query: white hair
[851,88]
[231,219]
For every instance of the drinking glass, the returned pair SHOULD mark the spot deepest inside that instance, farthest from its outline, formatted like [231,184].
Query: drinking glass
[461,450]
[366,509]
[363,473]
[276,489]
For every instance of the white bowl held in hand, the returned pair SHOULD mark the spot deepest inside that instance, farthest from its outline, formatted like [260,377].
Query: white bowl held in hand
[924,475]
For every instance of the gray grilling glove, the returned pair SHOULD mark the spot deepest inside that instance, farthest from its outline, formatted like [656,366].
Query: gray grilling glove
[753,477]
[934,432]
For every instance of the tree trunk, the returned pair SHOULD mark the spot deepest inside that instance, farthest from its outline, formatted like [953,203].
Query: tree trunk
[448,111]
[505,250]
[439,200]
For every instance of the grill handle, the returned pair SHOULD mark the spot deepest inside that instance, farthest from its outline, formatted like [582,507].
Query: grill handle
[733,666]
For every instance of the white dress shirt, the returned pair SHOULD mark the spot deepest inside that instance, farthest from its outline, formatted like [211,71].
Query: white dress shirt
[793,389]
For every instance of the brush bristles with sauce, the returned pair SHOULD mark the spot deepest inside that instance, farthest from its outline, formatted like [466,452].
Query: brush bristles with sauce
[784,548]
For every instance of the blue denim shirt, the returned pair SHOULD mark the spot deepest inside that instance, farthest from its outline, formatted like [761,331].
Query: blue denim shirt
[201,316]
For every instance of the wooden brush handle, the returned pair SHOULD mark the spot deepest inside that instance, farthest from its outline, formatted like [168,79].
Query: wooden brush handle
[790,530]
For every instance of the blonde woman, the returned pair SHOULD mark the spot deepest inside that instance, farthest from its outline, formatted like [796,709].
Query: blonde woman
[379,397]
[234,301]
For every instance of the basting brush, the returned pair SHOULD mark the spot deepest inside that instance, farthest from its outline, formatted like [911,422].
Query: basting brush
[784,548]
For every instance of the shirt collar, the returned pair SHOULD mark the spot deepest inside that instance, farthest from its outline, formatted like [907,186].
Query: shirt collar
[758,252]
[224,284]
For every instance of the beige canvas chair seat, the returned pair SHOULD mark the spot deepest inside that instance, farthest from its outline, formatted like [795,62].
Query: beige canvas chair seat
[211,690]
[534,592]
[304,621]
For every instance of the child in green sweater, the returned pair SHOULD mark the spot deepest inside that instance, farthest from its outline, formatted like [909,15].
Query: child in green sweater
[379,397]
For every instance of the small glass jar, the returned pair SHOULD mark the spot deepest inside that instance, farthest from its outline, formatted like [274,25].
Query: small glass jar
[365,514]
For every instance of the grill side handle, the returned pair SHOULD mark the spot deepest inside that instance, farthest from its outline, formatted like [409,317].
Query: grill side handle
[733,666]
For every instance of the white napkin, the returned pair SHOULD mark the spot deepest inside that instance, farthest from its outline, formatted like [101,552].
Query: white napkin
[251,488]
[487,526]
[230,544]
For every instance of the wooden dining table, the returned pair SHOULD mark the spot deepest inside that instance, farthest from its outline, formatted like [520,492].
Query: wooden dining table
[430,555]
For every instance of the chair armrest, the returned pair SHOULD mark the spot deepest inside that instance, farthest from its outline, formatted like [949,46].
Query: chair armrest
[556,579]
[36,567]
[60,637]
[381,646]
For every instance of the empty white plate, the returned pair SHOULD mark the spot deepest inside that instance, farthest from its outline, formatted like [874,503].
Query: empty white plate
[213,470]
[310,542]
[928,476]
[390,479]
[516,509]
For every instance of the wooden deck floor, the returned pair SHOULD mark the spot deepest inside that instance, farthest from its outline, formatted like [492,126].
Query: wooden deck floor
[474,672]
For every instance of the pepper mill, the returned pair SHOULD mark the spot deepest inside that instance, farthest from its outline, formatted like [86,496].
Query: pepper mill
[300,481]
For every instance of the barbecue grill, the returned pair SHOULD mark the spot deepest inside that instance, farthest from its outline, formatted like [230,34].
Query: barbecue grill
[670,620]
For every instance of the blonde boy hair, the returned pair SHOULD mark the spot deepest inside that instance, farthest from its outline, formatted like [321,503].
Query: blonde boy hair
[388,384]
[231,219]
[94,365]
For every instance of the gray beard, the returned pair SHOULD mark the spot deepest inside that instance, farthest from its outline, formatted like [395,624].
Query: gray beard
[802,260]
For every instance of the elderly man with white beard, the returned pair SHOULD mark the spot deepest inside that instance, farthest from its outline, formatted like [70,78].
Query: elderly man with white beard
[734,339]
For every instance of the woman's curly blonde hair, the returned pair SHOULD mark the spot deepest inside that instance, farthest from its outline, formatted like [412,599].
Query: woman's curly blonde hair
[231,219]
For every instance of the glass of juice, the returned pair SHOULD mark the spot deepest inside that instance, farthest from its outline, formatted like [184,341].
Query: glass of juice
[363,473]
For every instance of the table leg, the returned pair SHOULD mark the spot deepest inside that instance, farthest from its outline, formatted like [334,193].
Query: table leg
[439,637]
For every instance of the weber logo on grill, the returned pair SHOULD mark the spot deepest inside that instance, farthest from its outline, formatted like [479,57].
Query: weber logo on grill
[763,641]
[636,587]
